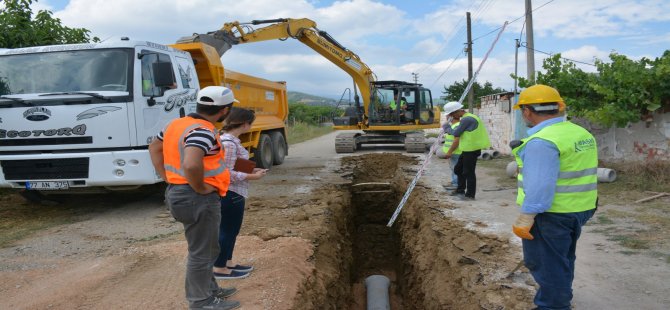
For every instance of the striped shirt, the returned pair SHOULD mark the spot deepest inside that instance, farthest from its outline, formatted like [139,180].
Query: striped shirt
[200,137]
[234,150]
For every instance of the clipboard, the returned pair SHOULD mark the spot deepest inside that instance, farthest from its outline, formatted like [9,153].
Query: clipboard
[244,165]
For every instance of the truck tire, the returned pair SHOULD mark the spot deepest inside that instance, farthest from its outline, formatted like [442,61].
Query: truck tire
[263,153]
[279,148]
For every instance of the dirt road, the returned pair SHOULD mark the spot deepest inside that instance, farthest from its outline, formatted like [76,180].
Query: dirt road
[313,239]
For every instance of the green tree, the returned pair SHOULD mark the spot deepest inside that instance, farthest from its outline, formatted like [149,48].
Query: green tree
[454,91]
[620,92]
[18,27]
[310,114]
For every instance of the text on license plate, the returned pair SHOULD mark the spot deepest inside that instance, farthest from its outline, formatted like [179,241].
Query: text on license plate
[45,186]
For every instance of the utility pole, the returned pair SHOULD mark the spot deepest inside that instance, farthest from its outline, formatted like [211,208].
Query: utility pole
[530,46]
[516,64]
[416,77]
[471,93]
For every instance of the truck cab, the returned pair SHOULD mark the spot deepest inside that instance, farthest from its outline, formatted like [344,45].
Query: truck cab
[82,115]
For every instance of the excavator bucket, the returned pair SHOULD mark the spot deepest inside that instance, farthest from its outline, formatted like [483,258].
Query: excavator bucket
[222,41]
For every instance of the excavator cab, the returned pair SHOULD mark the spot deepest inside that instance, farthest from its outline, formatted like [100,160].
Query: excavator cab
[397,103]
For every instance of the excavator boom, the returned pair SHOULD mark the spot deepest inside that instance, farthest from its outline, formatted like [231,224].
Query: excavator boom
[379,115]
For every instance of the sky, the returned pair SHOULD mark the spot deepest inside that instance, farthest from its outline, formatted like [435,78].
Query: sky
[395,38]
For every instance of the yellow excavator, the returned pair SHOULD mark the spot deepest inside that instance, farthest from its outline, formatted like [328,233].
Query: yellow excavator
[392,112]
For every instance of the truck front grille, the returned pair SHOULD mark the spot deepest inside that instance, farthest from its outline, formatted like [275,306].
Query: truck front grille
[45,169]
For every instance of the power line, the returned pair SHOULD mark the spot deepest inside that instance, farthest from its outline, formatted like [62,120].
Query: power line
[455,32]
[552,54]
[456,57]
[515,20]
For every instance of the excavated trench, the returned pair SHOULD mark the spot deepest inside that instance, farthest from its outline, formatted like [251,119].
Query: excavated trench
[432,260]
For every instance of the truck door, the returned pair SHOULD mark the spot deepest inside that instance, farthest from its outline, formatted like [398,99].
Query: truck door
[155,105]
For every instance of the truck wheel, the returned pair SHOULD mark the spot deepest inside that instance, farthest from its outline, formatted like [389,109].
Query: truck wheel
[278,147]
[263,153]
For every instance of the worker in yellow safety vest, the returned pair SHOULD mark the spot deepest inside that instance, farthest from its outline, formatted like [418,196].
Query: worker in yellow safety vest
[470,137]
[557,192]
[187,154]
[448,127]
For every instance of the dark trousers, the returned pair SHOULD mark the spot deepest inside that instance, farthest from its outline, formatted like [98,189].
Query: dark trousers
[465,170]
[200,215]
[232,213]
[550,256]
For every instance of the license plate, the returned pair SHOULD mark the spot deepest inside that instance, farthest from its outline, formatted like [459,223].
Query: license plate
[46,186]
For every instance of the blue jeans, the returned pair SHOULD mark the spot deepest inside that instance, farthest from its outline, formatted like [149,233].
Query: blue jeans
[452,164]
[550,256]
[232,213]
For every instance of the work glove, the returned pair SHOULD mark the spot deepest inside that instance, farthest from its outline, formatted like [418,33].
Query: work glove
[523,225]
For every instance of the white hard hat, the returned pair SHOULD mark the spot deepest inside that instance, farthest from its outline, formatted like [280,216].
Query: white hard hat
[451,107]
[216,95]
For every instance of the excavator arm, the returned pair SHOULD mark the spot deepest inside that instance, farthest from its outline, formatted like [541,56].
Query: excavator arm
[303,30]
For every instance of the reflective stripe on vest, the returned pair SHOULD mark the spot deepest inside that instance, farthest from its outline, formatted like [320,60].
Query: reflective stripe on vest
[576,186]
[449,140]
[215,172]
[477,139]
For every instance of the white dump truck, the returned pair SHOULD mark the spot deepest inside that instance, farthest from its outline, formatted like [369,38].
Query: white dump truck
[81,116]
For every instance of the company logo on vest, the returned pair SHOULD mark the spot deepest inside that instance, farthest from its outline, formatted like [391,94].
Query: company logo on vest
[585,145]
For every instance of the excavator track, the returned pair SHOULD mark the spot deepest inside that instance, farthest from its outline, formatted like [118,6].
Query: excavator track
[345,142]
[415,142]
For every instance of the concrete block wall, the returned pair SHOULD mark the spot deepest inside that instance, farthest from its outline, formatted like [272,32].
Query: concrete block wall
[640,141]
[495,113]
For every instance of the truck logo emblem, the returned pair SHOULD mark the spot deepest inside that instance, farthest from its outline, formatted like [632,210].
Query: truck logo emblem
[91,113]
[179,99]
[37,114]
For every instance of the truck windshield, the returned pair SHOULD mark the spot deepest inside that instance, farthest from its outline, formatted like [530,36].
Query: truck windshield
[66,71]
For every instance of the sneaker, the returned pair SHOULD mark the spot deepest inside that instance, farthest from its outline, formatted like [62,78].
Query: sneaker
[224,292]
[450,187]
[239,267]
[220,304]
[235,274]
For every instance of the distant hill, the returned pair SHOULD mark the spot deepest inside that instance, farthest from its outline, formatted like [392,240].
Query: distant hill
[295,96]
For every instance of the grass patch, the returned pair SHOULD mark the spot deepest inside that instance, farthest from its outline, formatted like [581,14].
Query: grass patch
[156,237]
[603,220]
[635,180]
[498,169]
[627,252]
[302,132]
[19,219]
[631,242]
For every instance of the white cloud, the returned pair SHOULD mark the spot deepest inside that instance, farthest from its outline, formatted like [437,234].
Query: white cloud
[386,38]
[567,19]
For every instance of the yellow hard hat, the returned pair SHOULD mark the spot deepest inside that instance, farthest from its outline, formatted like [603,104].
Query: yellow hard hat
[539,93]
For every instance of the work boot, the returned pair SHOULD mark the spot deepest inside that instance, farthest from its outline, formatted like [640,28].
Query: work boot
[466,198]
[219,304]
[456,193]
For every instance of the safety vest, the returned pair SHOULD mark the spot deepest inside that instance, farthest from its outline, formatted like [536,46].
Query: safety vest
[215,172]
[449,140]
[392,105]
[576,187]
[477,139]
